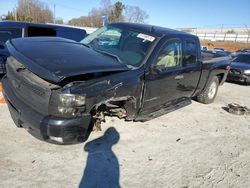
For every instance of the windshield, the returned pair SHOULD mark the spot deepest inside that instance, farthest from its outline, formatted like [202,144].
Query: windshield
[126,46]
[244,58]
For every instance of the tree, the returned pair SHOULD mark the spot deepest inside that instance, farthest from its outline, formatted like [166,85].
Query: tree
[95,17]
[33,11]
[106,6]
[135,14]
[10,16]
[231,31]
[115,14]
[59,21]
[92,20]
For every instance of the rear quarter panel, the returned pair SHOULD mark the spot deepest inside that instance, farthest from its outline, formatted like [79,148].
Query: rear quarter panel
[211,68]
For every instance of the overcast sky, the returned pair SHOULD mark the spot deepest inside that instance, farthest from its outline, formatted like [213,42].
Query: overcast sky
[167,13]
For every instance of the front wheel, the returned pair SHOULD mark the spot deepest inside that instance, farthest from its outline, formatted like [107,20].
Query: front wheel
[208,95]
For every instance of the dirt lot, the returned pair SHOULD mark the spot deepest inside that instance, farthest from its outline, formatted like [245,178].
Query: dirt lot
[196,146]
[230,46]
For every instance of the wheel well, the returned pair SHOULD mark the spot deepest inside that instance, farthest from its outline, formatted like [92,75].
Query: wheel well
[220,77]
[123,107]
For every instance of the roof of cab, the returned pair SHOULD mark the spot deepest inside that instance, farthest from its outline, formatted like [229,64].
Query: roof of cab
[17,24]
[155,30]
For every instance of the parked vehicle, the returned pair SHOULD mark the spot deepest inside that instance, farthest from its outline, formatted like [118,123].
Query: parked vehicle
[240,69]
[59,90]
[205,48]
[218,49]
[12,29]
[224,53]
[244,50]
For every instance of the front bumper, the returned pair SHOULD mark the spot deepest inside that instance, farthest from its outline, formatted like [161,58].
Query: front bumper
[47,128]
[239,78]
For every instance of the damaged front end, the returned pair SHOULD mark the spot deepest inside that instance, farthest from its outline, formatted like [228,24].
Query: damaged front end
[123,108]
[64,106]
[63,113]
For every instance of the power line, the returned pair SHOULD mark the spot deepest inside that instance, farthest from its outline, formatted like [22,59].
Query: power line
[66,6]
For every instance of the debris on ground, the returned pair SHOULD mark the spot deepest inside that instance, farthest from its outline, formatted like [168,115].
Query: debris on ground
[237,109]
[178,139]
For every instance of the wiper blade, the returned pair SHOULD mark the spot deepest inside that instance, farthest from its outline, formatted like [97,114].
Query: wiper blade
[130,66]
[86,45]
[109,54]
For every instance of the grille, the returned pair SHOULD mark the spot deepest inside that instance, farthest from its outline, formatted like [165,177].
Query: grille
[26,89]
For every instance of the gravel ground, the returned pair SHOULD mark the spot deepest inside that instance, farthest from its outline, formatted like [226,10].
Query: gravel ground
[196,146]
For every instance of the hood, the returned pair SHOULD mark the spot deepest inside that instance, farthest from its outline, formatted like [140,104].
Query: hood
[240,65]
[55,59]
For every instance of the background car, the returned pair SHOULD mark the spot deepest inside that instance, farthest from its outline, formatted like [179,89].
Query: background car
[13,29]
[244,50]
[240,69]
[218,49]
[224,53]
[205,48]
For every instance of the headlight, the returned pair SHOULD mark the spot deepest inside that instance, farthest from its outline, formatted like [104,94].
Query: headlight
[68,100]
[67,105]
[66,110]
[247,71]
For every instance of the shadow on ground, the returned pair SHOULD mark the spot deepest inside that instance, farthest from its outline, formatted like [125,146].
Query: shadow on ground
[237,83]
[102,167]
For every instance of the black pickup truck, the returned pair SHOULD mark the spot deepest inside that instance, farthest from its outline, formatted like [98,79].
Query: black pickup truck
[60,90]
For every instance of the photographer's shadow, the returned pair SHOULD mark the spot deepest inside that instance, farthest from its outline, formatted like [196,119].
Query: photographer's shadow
[102,168]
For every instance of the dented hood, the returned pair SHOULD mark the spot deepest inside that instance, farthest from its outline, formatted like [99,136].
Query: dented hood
[55,59]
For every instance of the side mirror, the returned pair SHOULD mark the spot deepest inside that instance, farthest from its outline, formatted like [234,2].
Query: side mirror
[189,58]
[156,69]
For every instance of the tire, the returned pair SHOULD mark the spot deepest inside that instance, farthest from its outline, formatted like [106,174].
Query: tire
[208,95]
[247,81]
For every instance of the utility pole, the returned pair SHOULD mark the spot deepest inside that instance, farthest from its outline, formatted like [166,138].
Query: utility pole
[15,12]
[54,13]
[222,26]
[28,9]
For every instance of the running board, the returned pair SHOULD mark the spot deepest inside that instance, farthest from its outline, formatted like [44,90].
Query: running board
[164,110]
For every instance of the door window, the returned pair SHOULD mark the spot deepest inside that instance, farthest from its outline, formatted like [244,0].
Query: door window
[190,52]
[170,56]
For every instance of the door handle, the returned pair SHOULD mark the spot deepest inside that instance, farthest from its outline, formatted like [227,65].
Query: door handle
[179,77]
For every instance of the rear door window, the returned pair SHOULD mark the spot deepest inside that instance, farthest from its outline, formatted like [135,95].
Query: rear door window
[40,31]
[190,52]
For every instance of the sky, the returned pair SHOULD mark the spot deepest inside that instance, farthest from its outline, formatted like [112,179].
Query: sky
[166,13]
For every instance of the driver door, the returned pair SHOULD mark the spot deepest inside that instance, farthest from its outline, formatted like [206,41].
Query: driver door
[161,81]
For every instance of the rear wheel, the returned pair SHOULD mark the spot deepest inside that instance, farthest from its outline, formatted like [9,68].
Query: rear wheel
[247,81]
[209,94]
